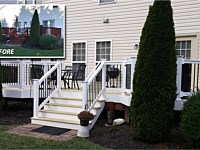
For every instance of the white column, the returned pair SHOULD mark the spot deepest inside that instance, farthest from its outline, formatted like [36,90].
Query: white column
[178,104]
[22,74]
[104,74]
[36,97]
[85,95]
[133,62]
[124,76]
[59,76]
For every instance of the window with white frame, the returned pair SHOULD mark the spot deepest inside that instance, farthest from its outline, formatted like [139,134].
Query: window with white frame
[106,1]
[183,48]
[103,50]
[79,51]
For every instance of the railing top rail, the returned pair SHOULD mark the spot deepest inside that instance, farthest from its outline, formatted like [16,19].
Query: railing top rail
[49,72]
[95,73]
[190,61]
[28,62]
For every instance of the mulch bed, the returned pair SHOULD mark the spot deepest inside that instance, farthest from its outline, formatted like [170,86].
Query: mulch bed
[118,137]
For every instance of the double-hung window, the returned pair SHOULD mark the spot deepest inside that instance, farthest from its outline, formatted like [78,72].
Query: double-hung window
[79,53]
[183,48]
[103,50]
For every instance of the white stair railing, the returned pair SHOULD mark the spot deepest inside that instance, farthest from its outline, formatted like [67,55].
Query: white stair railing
[46,86]
[93,88]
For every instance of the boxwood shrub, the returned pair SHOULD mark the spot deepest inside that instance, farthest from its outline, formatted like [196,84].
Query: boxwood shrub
[190,120]
[48,42]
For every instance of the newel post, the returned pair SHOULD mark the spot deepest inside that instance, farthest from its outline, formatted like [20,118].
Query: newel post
[133,62]
[59,76]
[85,95]
[178,105]
[124,76]
[36,97]
[22,74]
[104,74]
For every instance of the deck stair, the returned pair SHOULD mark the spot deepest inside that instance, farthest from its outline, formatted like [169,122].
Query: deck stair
[63,108]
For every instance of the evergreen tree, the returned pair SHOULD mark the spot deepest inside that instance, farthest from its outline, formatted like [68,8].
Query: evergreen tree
[154,83]
[35,30]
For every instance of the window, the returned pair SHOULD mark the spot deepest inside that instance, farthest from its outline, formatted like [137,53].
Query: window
[48,23]
[33,1]
[106,1]
[184,48]
[79,51]
[103,50]
[79,54]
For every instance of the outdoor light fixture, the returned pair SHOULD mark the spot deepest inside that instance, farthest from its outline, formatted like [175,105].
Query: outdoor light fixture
[105,20]
[136,46]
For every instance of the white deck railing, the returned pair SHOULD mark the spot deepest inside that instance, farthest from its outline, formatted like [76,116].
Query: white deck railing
[45,83]
[107,75]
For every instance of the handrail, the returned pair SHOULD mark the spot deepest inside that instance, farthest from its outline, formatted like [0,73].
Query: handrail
[95,73]
[88,87]
[91,73]
[49,72]
[43,83]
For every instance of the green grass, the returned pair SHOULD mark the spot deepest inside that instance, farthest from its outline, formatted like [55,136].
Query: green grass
[11,141]
[28,52]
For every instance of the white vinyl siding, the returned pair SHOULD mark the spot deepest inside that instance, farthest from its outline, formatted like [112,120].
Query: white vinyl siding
[126,20]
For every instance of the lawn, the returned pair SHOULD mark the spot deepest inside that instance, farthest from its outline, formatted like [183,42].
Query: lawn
[17,51]
[11,141]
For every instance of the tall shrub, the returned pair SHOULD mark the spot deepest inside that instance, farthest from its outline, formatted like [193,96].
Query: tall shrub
[35,30]
[154,83]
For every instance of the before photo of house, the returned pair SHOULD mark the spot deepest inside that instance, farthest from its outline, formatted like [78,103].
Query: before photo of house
[32,31]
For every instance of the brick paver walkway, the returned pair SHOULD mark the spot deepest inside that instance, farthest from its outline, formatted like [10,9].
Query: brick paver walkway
[25,130]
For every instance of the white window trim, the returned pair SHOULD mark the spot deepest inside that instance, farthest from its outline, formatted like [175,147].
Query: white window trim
[115,1]
[73,42]
[111,49]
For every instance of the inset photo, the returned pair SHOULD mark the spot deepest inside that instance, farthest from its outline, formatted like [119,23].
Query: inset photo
[32,31]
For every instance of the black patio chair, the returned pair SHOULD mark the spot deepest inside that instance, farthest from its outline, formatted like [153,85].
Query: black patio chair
[36,71]
[75,74]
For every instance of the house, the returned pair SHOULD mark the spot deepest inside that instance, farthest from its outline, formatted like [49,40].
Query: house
[109,29]
[18,21]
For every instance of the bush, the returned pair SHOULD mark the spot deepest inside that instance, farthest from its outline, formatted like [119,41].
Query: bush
[190,120]
[61,43]
[154,83]
[48,42]
[35,30]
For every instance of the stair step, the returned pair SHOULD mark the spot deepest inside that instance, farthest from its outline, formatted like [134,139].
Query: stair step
[57,120]
[69,105]
[67,98]
[61,112]
[61,123]
[64,105]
